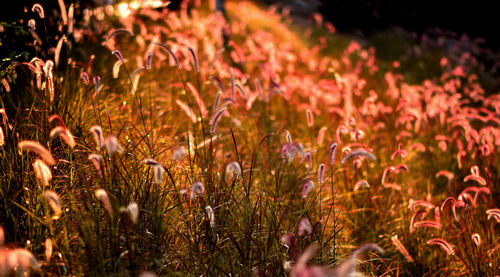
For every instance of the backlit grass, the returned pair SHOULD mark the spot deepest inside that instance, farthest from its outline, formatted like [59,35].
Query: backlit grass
[143,141]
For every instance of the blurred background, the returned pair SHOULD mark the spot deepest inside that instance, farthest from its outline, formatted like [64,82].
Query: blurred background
[476,18]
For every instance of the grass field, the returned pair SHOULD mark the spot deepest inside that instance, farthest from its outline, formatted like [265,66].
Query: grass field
[137,141]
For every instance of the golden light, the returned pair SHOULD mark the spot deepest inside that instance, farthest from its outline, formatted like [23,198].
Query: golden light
[123,10]
[134,5]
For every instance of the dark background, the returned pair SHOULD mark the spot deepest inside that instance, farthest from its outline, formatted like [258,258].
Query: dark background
[476,18]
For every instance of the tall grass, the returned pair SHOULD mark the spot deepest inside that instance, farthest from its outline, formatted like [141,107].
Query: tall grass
[123,170]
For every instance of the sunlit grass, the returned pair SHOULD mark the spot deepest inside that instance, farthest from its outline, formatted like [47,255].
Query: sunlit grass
[179,143]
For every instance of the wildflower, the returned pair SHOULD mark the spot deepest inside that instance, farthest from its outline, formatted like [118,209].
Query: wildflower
[356,153]
[197,188]
[233,169]
[287,239]
[215,119]
[356,164]
[116,68]
[97,83]
[166,48]
[59,121]
[395,169]
[361,184]
[187,110]
[233,96]
[85,78]
[289,150]
[119,31]
[357,134]
[205,142]
[399,152]
[2,236]
[287,265]
[308,157]
[300,149]
[32,24]
[17,260]
[414,217]
[416,203]
[444,245]
[447,174]
[210,216]
[199,100]
[455,204]
[307,186]
[346,268]
[147,274]
[2,137]
[4,81]
[71,12]
[241,91]
[341,130]
[55,204]
[273,88]
[431,223]
[98,136]
[465,194]
[102,195]
[217,101]
[133,211]
[387,170]
[288,137]
[64,13]
[331,156]
[258,86]
[5,120]
[59,45]
[48,249]
[38,149]
[118,55]
[42,172]
[399,245]
[178,153]
[135,76]
[96,160]
[304,227]
[310,119]
[401,167]
[321,173]
[474,176]
[149,60]
[218,83]
[251,99]
[195,60]
[112,145]
[493,213]
[39,9]
[321,135]
[64,134]
[476,239]
[158,170]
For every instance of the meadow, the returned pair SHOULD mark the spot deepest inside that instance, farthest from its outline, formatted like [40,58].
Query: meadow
[136,141]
